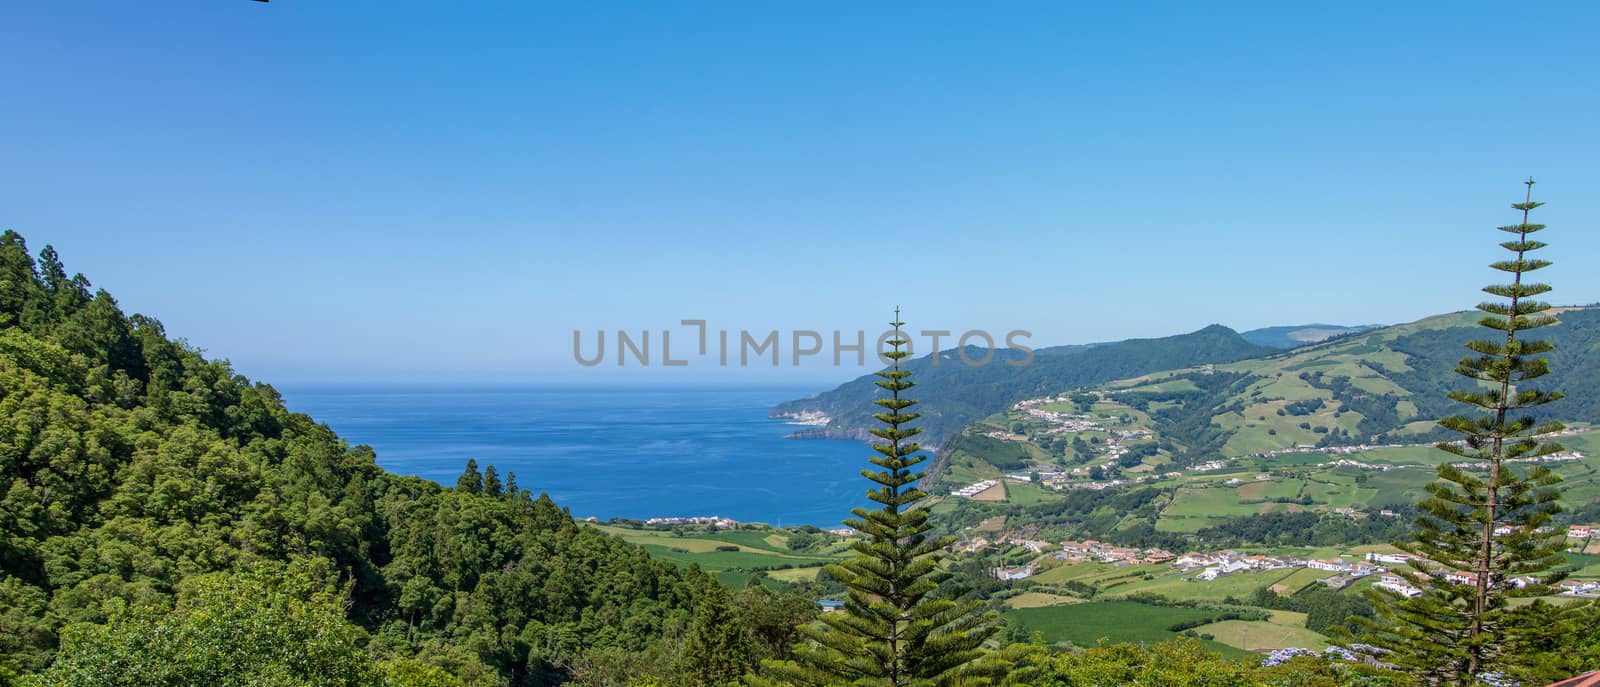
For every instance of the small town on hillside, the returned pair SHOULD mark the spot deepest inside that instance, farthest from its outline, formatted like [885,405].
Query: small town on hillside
[1206,567]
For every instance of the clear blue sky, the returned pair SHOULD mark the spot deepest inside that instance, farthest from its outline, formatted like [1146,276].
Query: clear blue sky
[438,191]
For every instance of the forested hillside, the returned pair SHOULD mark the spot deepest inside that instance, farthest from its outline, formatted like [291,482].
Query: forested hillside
[131,468]
[957,394]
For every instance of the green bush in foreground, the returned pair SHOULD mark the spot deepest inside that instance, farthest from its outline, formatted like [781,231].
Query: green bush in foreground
[264,627]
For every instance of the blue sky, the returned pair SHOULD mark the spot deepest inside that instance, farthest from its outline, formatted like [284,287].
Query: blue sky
[426,191]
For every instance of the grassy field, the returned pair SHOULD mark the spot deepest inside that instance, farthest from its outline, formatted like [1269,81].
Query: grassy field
[1039,600]
[1298,580]
[1271,489]
[757,549]
[796,574]
[1085,624]
[1180,587]
[1264,635]
[1068,572]
[1030,495]
[1194,508]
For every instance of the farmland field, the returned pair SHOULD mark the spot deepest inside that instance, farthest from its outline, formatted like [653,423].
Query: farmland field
[758,549]
[1085,624]
[1039,600]
[1257,635]
[1180,587]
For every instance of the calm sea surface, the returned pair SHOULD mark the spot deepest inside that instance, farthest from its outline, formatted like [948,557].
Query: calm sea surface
[609,452]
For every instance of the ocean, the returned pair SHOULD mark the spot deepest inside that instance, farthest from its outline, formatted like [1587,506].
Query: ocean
[609,452]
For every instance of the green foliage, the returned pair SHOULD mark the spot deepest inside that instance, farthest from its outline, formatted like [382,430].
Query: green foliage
[1454,632]
[1327,610]
[900,624]
[717,650]
[1179,663]
[268,625]
[470,481]
[1553,643]
[408,673]
[1086,624]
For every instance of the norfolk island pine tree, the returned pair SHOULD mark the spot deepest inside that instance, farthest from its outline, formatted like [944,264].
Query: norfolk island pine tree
[899,625]
[1460,633]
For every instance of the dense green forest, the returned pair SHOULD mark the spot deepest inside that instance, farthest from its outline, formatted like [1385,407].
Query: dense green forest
[957,394]
[133,472]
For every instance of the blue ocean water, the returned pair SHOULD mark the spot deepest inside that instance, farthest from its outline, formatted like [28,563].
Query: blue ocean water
[608,452]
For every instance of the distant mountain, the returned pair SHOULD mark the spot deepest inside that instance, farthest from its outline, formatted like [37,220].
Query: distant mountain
[954,395]
[1295,336]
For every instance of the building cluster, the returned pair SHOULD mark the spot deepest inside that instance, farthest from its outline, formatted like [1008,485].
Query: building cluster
[1561,457]
[1062,422]
[1395,583]
[972,490]
[1091,550]
[1360,448]
[1347,463]
[1062,483]
[713,520]
[1328,450]
[1224,563]
[1206,567]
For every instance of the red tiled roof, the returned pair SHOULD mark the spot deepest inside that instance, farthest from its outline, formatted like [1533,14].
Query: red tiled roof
[1584,680]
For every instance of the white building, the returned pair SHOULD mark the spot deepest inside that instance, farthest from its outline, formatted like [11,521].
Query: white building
[1331,565]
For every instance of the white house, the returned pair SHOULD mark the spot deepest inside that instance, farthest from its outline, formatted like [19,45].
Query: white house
[1398,585]
[1331,564]
[1217,571]
[1398,558]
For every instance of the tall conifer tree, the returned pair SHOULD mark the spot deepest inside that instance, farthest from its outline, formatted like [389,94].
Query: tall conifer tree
[1486,521]
[900,625]
[716,650]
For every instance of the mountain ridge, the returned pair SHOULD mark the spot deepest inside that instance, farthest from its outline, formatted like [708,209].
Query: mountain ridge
[1294,336]
[954,395]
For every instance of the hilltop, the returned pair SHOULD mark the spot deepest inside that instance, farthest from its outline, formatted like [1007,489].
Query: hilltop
[1294,336]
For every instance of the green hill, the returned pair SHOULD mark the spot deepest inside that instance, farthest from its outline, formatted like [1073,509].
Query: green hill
[131,467]
[1270,431]
[954,395]
[1381,386]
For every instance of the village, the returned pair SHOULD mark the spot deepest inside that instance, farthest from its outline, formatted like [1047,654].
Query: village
[1392,568]
[1105,474]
